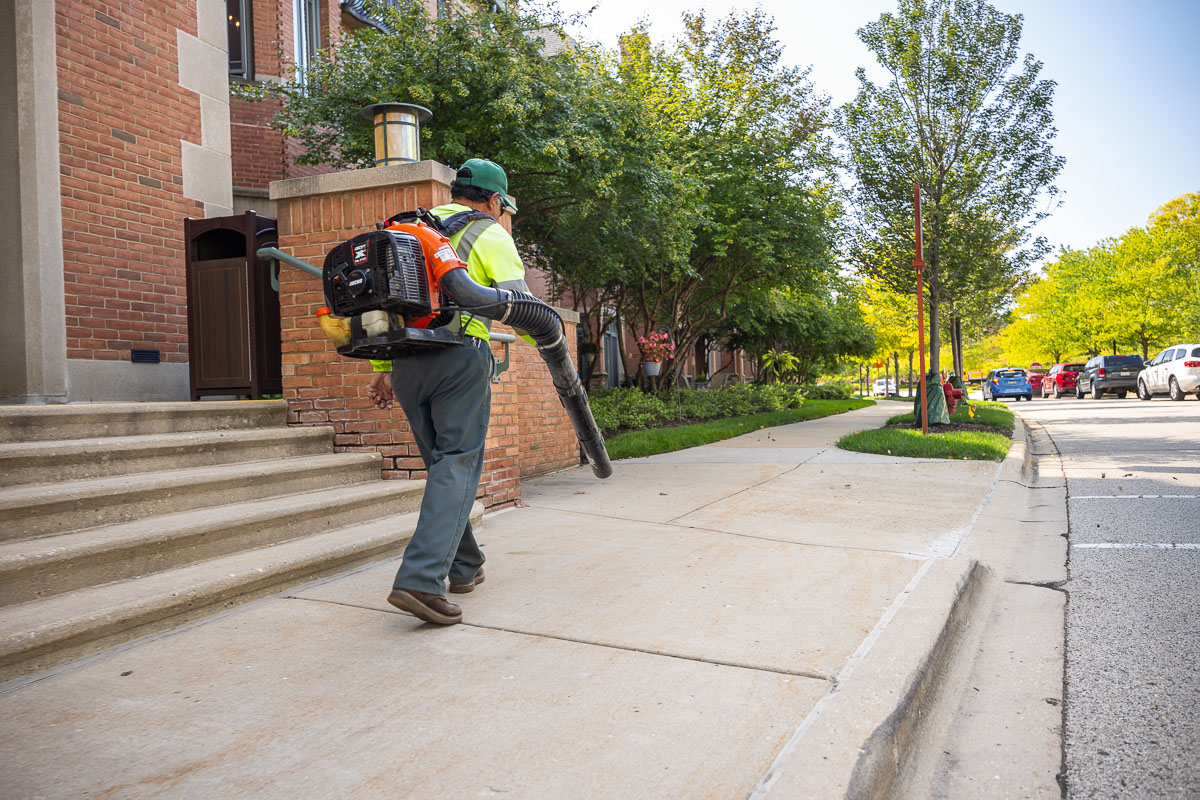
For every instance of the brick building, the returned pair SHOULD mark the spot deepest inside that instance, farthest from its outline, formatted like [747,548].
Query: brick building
[124,126]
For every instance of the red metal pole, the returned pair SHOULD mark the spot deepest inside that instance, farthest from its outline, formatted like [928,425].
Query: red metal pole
[919,263]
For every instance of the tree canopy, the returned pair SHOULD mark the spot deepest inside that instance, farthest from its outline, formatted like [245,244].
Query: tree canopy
[969,119]
[657,185]
[742,133]
[1136,293]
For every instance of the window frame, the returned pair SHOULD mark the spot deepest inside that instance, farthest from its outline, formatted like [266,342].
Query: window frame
[306,35]
[246,18]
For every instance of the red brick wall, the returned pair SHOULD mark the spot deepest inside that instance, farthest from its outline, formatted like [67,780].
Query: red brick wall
[261,154]
[529,433]
[122,115]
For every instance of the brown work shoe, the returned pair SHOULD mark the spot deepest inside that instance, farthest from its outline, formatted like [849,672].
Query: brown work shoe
[463,588]
[429,607]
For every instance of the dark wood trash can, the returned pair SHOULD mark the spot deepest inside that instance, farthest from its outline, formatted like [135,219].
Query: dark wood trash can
[233,307]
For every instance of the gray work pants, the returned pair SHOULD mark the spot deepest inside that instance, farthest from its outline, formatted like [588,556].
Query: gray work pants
[446,395]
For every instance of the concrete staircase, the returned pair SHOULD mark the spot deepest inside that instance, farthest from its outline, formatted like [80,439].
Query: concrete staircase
[120,520]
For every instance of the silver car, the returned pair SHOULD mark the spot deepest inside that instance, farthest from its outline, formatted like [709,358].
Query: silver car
[1174,372]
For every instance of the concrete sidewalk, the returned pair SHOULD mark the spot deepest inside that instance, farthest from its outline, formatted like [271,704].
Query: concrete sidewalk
[741,619]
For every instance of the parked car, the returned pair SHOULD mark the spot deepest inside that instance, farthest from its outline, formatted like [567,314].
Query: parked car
[884,387]
[1035,380]
[1060,380]
[1116,374]
[1174,372]
[975,376]
[1007,382]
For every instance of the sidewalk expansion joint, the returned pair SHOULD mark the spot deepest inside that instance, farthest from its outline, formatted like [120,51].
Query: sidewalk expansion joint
[574,640]
[900,553]
[745,488]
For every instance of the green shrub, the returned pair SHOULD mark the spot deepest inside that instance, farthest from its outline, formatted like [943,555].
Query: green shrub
[627,408]
[826,391]
[692,404]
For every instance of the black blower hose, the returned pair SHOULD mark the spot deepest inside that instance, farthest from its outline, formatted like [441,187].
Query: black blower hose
[545,327]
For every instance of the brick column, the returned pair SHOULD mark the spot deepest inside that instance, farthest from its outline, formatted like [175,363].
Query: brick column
[529,433]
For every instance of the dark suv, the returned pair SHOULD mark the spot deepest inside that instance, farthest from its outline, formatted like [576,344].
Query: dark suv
[1117,374]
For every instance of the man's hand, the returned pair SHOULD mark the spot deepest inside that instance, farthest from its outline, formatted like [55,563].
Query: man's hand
[380,390]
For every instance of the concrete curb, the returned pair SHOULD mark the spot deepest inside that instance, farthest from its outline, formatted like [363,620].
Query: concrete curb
[857,740]
[854,742]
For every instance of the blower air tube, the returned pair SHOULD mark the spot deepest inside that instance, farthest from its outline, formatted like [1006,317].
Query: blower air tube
[523,310]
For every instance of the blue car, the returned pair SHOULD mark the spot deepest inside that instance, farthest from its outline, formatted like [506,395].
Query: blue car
[1007,382]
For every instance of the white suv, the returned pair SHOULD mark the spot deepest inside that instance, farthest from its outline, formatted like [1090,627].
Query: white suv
[1175,372]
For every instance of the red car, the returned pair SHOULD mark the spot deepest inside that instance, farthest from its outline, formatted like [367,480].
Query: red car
[1060,380]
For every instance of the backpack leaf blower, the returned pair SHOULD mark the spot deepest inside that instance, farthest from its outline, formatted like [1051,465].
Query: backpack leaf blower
[385,282]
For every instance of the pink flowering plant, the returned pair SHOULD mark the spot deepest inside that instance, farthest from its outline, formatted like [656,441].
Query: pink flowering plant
[656,346]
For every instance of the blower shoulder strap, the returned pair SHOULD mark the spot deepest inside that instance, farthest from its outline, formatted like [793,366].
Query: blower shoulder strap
[456,222]
[478,222]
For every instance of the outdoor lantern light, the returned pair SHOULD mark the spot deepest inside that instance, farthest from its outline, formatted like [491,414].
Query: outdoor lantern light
[397,131]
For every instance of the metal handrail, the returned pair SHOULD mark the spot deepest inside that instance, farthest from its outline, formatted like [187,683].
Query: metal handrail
[275,254]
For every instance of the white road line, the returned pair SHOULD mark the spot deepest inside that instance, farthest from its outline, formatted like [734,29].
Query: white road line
[1136,546]
[1135,497]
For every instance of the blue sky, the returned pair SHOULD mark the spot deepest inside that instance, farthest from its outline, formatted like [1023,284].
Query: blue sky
[1127,107]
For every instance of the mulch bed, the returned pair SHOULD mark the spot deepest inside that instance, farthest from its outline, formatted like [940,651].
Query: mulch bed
[956,426]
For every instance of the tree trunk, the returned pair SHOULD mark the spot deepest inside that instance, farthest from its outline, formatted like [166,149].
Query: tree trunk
[910,382]
[896,361]
[935,338]
[624,357]
[958,345]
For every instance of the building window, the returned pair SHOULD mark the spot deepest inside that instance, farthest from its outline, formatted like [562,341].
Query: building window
[307,18]
[241,45]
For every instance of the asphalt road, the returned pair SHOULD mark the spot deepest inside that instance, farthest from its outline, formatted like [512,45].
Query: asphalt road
[1133,609]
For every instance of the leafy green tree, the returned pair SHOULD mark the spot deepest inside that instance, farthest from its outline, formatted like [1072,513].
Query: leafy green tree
[742,134]
[597,196]
[893,318]
[969,119]
[1138,292]
[816,330]
[1177,226]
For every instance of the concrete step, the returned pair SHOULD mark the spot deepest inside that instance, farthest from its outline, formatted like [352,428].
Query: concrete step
[90,420]
[24,463]
[44,633]
[51,565]
[45,509]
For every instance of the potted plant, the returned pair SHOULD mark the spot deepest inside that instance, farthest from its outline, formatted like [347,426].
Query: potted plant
[656,347]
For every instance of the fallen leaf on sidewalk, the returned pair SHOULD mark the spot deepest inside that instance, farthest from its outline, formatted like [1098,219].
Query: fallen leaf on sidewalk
[581,492]
[664,494]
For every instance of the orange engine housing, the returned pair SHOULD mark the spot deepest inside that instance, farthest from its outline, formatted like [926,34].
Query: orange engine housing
[440,258]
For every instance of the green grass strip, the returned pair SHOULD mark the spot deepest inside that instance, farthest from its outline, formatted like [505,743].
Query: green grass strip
[994,415]
[909,443]
[636,444]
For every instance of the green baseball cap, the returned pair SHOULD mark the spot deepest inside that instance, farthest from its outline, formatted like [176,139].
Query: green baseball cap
[487,175]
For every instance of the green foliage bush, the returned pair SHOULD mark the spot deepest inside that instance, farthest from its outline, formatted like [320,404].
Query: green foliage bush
[633,409]
[627,408]
[828,391]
